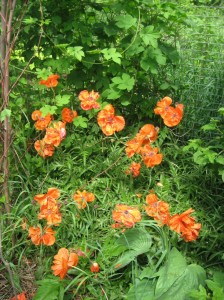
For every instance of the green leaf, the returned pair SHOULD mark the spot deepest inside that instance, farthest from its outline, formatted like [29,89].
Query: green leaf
[76,52]
[125,82]
[2,199]
[221,172]
[125,21]
[142,289]
[48,289]
[220,159]
[30,20]
[62,100]
[221,110]
[137,241]
[164,86]
[80,122]
[199,295]
[218,292]
[149,37]
[210,126]
[43,73]
[48,109]
[176,278]
[4,114]
[111,53]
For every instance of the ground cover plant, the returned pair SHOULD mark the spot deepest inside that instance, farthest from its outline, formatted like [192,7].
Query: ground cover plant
[100,199]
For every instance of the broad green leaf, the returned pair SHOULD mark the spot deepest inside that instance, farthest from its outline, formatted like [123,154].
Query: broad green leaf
[176,278]
[80,122]
[62,100]
[76,52]
[111,53]
[195,144]
[218,277]
[141,290]
[125,21]
[150,37]
[4,114]
[137,241]
[174,268]
[48,109]
[125,82]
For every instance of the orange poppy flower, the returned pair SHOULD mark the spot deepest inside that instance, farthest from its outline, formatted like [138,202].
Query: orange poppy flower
[81,198]
[50,212]
[162,106]
[38,237]
[126,215]
[150,156]
[41,122]
[55,134]
[180,223]
[148,134]
[191,234]
[157,209]
[185,224]
[51,193]
[88,99]
[94,268]
[51,81]
[108,122]
[134,169]
[68,115]
[133,146]
[21,296]
[173,115]
[43,149]
[63,261]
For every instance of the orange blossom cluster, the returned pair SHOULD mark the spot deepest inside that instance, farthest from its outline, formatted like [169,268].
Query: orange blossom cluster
[184,224]
[170,115]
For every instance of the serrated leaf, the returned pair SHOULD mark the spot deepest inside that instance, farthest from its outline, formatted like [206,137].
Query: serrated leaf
[76,52]
[80,122]
[149,37]
[199,295]
[48,109]
[125,21]
[4,114]
[125,82]
[111,53]
[62,100]
[49,289]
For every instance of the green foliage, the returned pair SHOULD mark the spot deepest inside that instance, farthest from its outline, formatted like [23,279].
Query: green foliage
[215,286]
[51,289]
[210,153]
[174,278]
